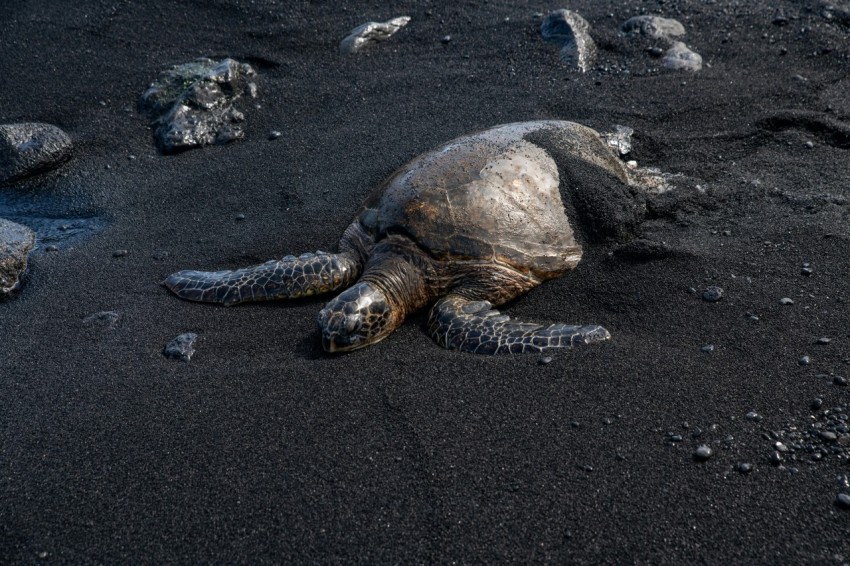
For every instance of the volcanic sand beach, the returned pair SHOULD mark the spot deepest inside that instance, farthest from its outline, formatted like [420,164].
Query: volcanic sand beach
[263,448]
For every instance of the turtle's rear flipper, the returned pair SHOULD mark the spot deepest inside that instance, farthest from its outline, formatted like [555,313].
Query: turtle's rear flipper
[458,323]
[289,278]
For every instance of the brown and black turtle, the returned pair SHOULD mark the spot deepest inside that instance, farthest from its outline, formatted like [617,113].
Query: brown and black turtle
[470,225]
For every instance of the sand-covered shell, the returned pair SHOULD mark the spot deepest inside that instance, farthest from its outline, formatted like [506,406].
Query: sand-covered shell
[493,195]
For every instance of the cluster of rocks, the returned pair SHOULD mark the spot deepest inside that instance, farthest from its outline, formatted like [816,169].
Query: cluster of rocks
[25,150]
[827,435]
[192,104]
[572,33]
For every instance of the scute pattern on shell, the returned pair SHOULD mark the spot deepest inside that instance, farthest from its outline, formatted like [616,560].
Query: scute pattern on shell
[492,195]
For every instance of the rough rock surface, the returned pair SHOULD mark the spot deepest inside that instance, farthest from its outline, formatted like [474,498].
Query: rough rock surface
[16,241]
[655,27]
[572,32]
[680,58]
[181,347]
[371,33]
[193,103]
[29,148]
[620,138]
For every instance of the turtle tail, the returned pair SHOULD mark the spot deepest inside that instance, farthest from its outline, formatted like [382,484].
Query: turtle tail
[289,278]
[458,323]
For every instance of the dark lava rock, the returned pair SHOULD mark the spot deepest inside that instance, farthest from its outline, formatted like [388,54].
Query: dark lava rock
[680,58]
[16,242]
[572,33]
[29,148]
[193,103]
[839,380]
[655,27]
[703,453]
[712,294]
[643,250]
[371,33]
[182,347]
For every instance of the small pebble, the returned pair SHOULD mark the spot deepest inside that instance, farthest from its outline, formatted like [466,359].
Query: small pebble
[712,294]
[675,438]
[776,458]
[806,271]
[823,340]
[744,467]
[838,380]
[696,433]
[753,416]
[786,301]
[656,51]
[240,217]
[702,453]
[274,134]
[545,360]
[804,360]
[446,39]
[817,403]
[780,447]
[843,500]
[181,347]
[828,435]
[708,348]
[119,253]
[51,248]
[810,144]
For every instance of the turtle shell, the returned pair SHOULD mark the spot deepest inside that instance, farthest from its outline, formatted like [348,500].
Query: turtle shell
[489,196]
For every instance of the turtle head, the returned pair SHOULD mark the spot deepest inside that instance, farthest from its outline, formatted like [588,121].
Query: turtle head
[360,316]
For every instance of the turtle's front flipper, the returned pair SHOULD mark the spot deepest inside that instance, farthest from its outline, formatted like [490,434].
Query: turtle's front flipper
[458,323]
[289,278]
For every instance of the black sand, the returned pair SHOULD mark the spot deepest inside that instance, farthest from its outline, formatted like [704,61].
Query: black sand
[263,448]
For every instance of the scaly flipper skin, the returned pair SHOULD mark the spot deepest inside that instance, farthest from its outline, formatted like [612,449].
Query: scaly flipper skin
[289,278]
[458,323]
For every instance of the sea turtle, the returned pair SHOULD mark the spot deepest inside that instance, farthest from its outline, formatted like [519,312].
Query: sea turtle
[471,224]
